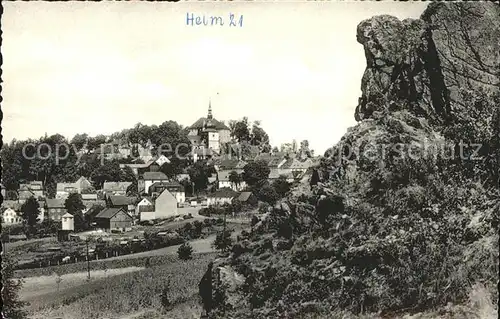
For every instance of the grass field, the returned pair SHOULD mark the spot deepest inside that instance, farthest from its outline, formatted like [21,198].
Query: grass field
[128,295]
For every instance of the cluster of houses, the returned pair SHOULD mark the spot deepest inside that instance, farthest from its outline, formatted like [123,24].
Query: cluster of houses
[160,196]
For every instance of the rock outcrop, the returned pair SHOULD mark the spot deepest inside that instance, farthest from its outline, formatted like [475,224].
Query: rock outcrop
[387,229]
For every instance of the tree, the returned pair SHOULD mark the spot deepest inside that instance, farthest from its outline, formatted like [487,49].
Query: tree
[256,172]
[266,193]
[79,140]
[74,204]
[127,175]
[235,178]
[223,240]
[30,210]
[281,186]
[199,173]
[240,130]
[109,172]
[132,190]
[12,306]
[304,149]
[314,178]
[95,142]
[259,136]
[185,251]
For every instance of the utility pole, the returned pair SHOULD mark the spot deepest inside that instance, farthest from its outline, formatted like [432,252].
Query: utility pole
[88,259]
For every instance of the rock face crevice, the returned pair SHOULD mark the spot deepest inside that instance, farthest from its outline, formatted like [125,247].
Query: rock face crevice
[403,69]
[385,233]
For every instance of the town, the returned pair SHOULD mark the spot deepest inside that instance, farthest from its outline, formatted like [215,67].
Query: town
[229,170]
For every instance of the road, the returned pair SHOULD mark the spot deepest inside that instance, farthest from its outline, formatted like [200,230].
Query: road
[199,246]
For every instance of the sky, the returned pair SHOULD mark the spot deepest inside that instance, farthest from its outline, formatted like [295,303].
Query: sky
[100,67]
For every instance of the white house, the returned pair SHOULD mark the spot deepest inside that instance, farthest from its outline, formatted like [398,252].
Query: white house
[176,189]
[149,178]
[68,222]
[10,217]
[145,205]
[64,189]
[162,159]
[221,196]
[223,178]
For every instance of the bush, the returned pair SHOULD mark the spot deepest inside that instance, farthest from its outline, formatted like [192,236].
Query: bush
[185,251]
[223,240]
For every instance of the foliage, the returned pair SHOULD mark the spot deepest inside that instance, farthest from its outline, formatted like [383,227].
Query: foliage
[281,186]
[256,172]
[185,251]
[223,240]
[12,306]
[314,178]
[199,174]
[74,204]
[235,178]
[266,193]
[30,211]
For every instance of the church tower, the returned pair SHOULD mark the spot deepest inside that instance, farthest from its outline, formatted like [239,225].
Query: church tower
[211,131]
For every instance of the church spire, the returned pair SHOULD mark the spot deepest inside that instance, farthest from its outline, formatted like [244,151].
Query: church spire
[209,109]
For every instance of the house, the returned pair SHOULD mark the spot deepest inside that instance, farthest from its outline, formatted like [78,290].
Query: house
[89,204]
[149,178]
[10,217]
[209,132]
[55,209]
[247,198]
[174,188]
[223,180]
[165,205]
[146,204]
[127,203]
[114,218]
[162,159]
[16,206]
[64,189]
[115,188]
[68,222]
[150,166]
[30,189]
[221,196]
[295,166]
[276,173]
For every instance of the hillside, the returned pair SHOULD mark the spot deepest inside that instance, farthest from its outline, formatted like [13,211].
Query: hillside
[405,218]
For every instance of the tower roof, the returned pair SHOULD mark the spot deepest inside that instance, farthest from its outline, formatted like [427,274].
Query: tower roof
[209,116]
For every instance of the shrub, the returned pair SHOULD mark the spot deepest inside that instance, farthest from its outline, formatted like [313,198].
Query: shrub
[185,251]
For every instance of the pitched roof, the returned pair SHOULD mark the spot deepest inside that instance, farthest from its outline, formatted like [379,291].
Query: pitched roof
[231,164]
[223,175]
[67,215]
[244,196]
[14,204]
[224,192]
[54,203]
[116,186]
[166,184]
[199,124]
[108,213]
[154,176]
[91,203]
[148,199]
[121,200]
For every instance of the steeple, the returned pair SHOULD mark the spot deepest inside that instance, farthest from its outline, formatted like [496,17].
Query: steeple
[209,109]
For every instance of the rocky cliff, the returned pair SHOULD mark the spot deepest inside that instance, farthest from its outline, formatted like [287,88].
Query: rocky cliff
[396,223]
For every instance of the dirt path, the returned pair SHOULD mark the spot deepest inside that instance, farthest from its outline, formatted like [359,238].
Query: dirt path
[41,285]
